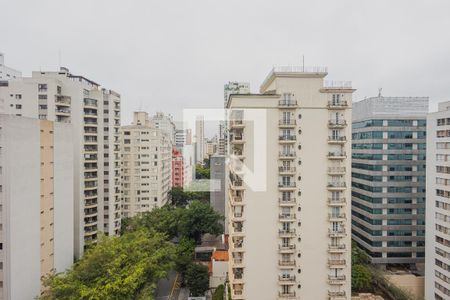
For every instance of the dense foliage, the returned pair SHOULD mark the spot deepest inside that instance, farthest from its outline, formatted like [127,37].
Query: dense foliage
[181,198]
[197,279]
[219,293]
[202,172]
[125,267]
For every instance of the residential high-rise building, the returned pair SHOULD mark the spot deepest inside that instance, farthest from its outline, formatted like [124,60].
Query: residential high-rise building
[437,264]
[95,117]
[199,139]
[180,138]
[177,168]
[166,124]
[7,73]
[388,178]
[291,240]
[146,166]
[36,204]
[235,87]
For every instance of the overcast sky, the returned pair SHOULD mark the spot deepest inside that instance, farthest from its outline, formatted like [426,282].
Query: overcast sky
[170,55]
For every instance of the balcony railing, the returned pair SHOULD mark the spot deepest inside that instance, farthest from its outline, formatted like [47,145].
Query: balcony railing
[336,247]
[337,154]
[336,170]
[336,278]
[338,232]
[336,184]
[336,216]
[286,263]
[287,103]
[337,104]
[337,139]
[285,232]
[336,294]
[286,169]
[286,184]
[286,278]
[287,201]
[336,262]
[286,247]
[336,200]
[287,137]
[286,154]
[290,122]
[287,216]
[337,123]
[285,295]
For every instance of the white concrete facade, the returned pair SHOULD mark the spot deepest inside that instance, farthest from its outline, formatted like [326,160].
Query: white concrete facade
[292,240]
[36,209]
[66,98]
[437,243]
[146,166]
[199,139]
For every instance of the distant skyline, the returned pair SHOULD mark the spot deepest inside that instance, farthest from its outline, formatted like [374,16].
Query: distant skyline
[166,56]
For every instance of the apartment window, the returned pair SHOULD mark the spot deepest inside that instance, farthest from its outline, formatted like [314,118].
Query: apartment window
[42,97]
[42,87]
[18,106]
[18,96]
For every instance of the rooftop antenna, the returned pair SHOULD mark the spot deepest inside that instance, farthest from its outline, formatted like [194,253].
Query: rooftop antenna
[379,92]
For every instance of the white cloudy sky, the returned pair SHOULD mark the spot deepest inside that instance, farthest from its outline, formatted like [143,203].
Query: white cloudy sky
[170,55]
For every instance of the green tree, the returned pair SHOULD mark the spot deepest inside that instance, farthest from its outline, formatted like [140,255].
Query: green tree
[184,255]
[179,198]
[219,293]
[361,278]
[198,219]
[202,172]
[116,268]
[197,279]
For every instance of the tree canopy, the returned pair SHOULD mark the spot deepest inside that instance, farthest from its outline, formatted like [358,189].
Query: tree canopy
[197,279]
[122,267]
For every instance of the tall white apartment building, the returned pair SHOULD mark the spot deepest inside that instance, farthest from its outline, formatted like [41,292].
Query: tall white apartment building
[235,87]
[199,139]
[94,114]
[7,73]
[36,203]
[292,240]
[437,238]
[166,124]
[146,166]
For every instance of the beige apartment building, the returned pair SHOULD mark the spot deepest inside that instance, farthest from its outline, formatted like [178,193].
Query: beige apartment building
[437,254]
[146,166]
[94,115]
[36,203]
[292,239]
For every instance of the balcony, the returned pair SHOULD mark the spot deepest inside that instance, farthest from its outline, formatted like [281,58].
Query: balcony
[237,185]
[336,170]
[337,123]
[287,138]
[286,295]
[336,280]
[340,248]
[62,112]
[286,232]
[339,155]
[237,139]
[286,155]
[287,123]
[236,200]
[337,104]
[337,233]
[237,124]
[62,100]
[287,103]
[337,217]
[336,201]
[286,248]
[286,279]
[287,217]
[337,263]
[90,103]
[337,295]
[337,139]
[286,185]
[287,202]
[286,170]
[336,186]
[286,263]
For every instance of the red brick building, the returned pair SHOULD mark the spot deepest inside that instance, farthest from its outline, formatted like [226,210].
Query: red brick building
[177,168]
